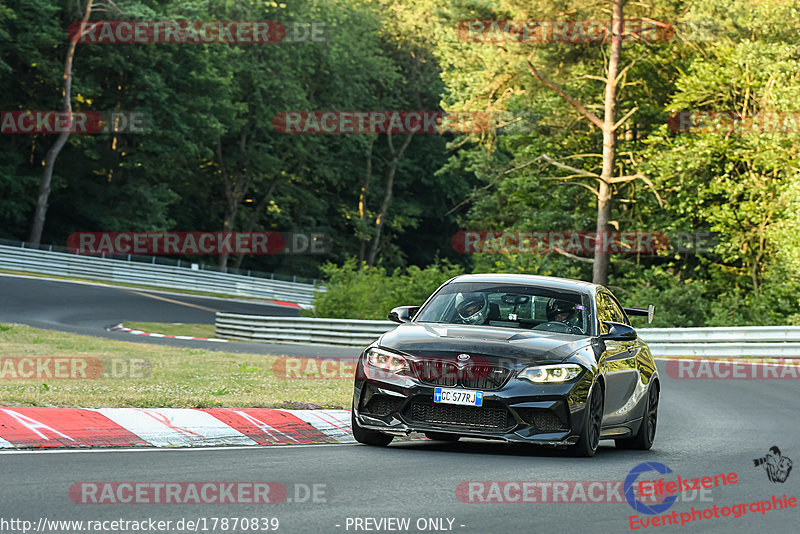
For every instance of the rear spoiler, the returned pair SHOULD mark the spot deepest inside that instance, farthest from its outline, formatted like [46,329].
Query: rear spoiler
[643,312]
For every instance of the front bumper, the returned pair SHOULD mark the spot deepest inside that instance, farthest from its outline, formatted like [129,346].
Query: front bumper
[519,411]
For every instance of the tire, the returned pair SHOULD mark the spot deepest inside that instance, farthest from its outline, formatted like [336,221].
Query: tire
[436,436]
[368,437]
[644,438]
[592,424]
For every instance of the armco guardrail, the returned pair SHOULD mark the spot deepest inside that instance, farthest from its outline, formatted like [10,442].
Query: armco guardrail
[724,334]
[166,276]
[762,341]
[271,329]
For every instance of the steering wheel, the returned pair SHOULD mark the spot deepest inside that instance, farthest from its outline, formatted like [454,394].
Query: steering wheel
[555,326]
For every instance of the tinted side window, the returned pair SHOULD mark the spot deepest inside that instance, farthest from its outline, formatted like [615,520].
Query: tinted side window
[618,312]
[608,310]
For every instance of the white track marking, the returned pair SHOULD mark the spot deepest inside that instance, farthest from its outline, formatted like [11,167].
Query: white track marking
[334,423]
[176,427]
[171,449]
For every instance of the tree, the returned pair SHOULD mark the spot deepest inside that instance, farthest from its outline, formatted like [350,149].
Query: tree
[50,159]
[487,73]
[738,178]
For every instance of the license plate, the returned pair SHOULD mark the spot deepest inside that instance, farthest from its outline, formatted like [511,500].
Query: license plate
[458,396]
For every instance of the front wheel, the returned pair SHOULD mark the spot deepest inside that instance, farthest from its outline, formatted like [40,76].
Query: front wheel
[590,434]
[644,438]
[368,437]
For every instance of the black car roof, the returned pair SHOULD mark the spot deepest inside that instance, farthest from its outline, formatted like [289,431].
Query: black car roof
[530,280]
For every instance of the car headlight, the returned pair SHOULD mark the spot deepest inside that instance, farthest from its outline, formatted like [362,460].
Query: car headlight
[546,374]
[385,360]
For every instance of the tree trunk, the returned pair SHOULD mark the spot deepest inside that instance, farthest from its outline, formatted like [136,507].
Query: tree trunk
[236,186]
[601,255]
[391,170]
[362,200]
[387,199]
[227,226]
[251,222]
[40,214]
[601,251]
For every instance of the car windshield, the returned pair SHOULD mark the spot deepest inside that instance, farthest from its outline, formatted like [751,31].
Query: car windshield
[509,306]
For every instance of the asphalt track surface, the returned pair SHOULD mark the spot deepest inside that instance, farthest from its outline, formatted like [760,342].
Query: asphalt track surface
[706,428]
[87,308]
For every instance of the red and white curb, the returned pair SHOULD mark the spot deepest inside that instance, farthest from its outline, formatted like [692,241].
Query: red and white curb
[292,305]
[119,328]
[169,427]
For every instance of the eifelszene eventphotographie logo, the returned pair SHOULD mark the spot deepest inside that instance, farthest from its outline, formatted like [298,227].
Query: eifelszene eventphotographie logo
[777,466]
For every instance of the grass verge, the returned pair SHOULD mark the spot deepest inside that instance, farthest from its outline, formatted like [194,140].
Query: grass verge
[151,376]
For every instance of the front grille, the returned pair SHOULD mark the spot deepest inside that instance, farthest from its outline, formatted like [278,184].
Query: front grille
[382,405]
[464,416]
[435,372]
[485,377]
[543,420]
[448,374]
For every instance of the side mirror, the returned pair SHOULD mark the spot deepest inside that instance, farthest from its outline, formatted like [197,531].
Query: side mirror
[403,314]
[618,332]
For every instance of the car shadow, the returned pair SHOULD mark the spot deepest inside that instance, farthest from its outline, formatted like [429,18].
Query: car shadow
[498,448]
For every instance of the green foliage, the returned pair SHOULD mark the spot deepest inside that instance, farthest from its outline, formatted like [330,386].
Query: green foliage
[214,160]
[361,293]
[213,154]
[678,303]
[777,302]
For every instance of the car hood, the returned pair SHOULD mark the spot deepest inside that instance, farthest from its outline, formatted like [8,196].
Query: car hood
[448,340]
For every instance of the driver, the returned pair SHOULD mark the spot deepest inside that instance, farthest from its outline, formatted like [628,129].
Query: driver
[472,308]
[561,311]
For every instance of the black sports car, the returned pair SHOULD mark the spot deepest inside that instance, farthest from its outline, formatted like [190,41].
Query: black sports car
[518,358]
